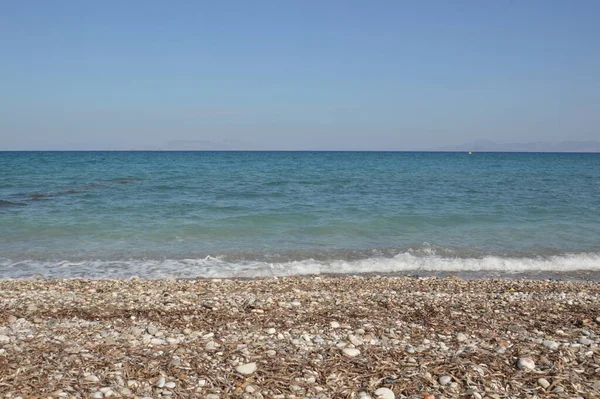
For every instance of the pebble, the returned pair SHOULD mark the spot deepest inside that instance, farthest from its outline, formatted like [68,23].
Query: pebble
[384,393]
[152,330]
[558,389]
[526,363]
[552,345]
[364,395]
[596,385]
[211,346]
[460,337]
[11,319]
[96,395]
[4,339]
[585,341]
[351,352]
[170,385]
[445,380]
[271,331]
[91,378]
[136,331]
[246,369]
[334,324]
[543,383]
[354,340]
[160,382]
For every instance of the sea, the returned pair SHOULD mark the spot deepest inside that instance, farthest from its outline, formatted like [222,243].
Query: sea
[160,215]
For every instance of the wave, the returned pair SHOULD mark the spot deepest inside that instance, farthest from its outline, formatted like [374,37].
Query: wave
[6,203]
[218,267]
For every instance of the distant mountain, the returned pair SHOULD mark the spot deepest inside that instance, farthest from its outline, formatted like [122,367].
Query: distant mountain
[206,145]
[536,146]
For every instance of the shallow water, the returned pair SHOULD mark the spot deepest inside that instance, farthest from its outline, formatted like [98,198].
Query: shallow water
[249,214]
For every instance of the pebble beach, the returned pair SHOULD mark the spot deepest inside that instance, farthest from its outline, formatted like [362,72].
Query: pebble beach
[302,337]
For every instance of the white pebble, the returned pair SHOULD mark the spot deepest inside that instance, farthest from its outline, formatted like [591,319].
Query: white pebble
[170,385]
[445,380]
[334,324]
[543,383]
[246,369]
[271,331]
[351,352]
[161,382]
[552,345]
[91,378]
[526,363]
[97,395]
[384,393]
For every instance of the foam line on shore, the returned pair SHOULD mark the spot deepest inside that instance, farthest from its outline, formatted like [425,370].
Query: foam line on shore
[216,267]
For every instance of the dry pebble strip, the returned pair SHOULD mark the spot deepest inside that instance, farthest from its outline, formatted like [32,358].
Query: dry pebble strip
[314,337]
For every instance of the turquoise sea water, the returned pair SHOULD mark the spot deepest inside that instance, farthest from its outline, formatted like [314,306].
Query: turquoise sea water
[249,214]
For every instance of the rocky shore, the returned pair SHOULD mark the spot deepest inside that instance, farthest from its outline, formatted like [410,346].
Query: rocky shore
[314,337]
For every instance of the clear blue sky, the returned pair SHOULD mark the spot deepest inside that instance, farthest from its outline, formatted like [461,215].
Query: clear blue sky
[331,74]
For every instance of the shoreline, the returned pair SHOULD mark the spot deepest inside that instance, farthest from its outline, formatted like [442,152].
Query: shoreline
[577,275]
[296,337]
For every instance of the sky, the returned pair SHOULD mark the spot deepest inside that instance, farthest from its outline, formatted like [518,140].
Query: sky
[297,75]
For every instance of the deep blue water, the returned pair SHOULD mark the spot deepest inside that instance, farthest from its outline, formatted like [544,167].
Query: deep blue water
[206,214]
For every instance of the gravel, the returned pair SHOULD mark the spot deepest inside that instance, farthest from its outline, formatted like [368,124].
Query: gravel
[343,337]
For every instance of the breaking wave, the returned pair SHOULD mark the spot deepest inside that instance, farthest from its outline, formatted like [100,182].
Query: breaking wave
[219,267]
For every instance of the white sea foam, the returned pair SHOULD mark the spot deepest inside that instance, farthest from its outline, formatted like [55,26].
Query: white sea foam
[216,267]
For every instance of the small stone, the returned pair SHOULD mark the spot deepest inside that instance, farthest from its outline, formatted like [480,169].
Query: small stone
[152,330]
[246,369]
[91,378]
[170,385]
[133,384]
[460,337]
[11,319]
[160,382]
[354,340]
[526,363]
[543,383]
[384,393]
[271,331]
[250,389]
[445,380]
[585,341]
[212,396]
[136,331]
[351,352]
[558,389]
[364,395]
[97,395]
[334,324]
[211,346]
[552,345]
[4,339]
[157,341]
